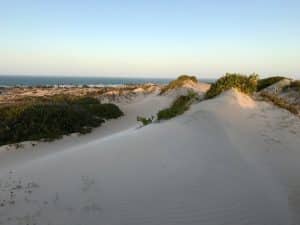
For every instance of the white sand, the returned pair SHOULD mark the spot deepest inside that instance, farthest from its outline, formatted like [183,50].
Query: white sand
[141,106]
[228,161]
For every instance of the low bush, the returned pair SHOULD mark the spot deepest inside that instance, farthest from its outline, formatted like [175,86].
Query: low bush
[246,84]
[51,118]
[145,121]
[60,99]
[106,111]
[280,102]
[178,107]
[179,82]
[263,83]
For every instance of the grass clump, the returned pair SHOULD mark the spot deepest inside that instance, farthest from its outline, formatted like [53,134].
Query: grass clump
[179,82]
[145,121]
[246,84]
[50,118]
[178,107]
[280,102]
[263,83]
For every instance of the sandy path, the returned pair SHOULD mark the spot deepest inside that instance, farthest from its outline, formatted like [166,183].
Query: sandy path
[209,166]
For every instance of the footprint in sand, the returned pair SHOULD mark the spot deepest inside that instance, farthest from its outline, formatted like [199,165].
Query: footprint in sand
[87,182]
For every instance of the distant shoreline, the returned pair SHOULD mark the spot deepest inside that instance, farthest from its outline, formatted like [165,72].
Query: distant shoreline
[26,81]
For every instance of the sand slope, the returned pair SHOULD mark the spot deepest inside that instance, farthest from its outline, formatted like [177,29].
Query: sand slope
[141,106]
[229,160]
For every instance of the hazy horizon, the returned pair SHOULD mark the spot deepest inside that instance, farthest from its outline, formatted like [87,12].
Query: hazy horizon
[174,76]
[149,39]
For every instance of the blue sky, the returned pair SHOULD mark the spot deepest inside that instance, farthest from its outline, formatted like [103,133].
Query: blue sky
[149,38]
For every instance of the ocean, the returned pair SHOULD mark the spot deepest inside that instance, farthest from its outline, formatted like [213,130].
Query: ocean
[9,81]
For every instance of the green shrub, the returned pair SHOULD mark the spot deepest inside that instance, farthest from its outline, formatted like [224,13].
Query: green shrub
[246,84]
[68,99]
[145,121]
[107,110]
[82,100]
[263,83]
[51,118]
[178,107]
[60,99]
[179,82]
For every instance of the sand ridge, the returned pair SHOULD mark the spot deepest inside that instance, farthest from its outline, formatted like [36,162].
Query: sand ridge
[229,160]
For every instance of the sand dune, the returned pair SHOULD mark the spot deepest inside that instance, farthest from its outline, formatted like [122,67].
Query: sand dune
[229,160]
[141,106]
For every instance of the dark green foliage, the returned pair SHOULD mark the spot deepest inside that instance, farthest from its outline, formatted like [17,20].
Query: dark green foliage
[83,101]
[280,102]
[179,82]
[263,83]
[145,121]
[60,99]
[246,84]
[51,118]
[68,99]
[106,111]
[178,107]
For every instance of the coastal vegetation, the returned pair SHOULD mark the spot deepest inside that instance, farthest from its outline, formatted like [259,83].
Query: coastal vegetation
[178,107]
[245,84]
[144,120]
[49,118]
[280,102]
[266,82]
[295,85]
[179,82]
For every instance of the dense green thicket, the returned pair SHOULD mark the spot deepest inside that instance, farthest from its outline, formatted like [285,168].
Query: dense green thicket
[179,82]
[246,84]
[263,83]
[178,107]
[50,118]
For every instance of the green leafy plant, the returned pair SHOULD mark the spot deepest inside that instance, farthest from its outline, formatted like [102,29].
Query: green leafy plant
[246,84]
[179,82]
[178,107]
[145,121]
[50,118]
